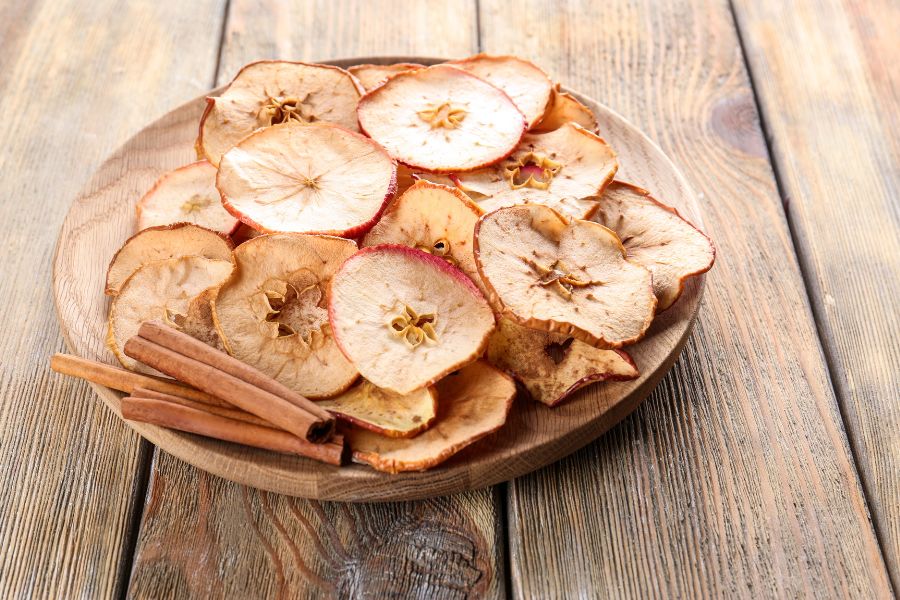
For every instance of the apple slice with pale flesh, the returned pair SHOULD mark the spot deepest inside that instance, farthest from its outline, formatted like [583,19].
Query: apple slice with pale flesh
[161,243]
[657,237]
[523,81]
[186,195]
[406,318]
[371,76]
[160,290]
[564,169]
[317,178]
[393,415]
[432,218]
[563,275]
[272,312]
[270,92]
[441,119]
[553,366]
[564,108]
[473,403]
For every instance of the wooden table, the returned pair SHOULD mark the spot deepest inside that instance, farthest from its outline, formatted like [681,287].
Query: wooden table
[767,463]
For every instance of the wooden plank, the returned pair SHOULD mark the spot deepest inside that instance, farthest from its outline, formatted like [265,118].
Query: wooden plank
[735,478]
[77,79]
[829,89]
[205,536]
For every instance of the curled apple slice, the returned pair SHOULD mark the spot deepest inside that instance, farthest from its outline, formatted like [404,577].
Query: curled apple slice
[186,195]
[317,178]
[435,219]
[564,276]
[441,119]
[271,313]
[564,108]
[524,82]
[161,243]
[393,415]
[270,92]
[657,237]
[160,290]
[406,318]
[371,76]
[563,169]
[474,402]
[552,366]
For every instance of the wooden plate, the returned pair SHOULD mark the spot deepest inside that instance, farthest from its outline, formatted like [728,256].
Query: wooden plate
[103,217]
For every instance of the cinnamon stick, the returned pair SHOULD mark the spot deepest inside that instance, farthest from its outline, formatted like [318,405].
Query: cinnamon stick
[236,391]
[191,420]
[126,381]
[230,413]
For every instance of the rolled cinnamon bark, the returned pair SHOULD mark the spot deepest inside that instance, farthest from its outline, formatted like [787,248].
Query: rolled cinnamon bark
[229,413]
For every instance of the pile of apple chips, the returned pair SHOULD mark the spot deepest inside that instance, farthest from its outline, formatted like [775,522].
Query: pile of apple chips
[399,242]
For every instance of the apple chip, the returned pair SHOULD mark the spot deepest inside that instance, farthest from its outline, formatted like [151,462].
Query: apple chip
[270,92]
[565,276]
[524,82]
[160,290]
[563,169]
[441,119]
[317,178]
[553,366]
[435,219]
[438,178]
[657,237]
[564,108]
[272,312]
[197,321]
[393,415]
[186,195]
[406,318]
[474,402]
[371,76]
[161,243]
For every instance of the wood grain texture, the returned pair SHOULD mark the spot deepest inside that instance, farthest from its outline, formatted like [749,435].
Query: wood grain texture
[735,478]
[75,83]
[828,82]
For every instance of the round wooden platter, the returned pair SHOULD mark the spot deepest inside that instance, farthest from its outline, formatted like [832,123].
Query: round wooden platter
[103,217]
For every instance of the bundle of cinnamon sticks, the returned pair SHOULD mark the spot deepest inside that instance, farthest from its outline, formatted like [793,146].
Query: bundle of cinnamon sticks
[224,398]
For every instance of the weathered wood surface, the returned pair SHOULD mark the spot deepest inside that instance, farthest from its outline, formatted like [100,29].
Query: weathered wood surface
[247,543]
[828,82]
[76,80]
[735,478]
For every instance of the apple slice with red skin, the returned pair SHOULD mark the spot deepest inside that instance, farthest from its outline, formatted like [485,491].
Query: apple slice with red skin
[441,119]
[392,415]
[406,318]
[270,92]
[564,108]
[317,178]
[473,403]
[656,236]
[371,76]
[552,367]
[563,275]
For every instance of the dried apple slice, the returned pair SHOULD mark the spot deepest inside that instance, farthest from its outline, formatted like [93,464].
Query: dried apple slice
[441,119]
[406,318]
[552,366]
[270,92]
[564,108]
[564,276]
[657,237]
[197,321]
[161,243]
[317,178]
[393,415]
[272,312]
[435,219]
[474,402]
[438,178]
[524,82]
[160,290]
[563,169]
[186,195]
[371,76]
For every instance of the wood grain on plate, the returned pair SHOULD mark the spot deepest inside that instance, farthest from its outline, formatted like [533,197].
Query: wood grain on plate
[734,479]
[103,217]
